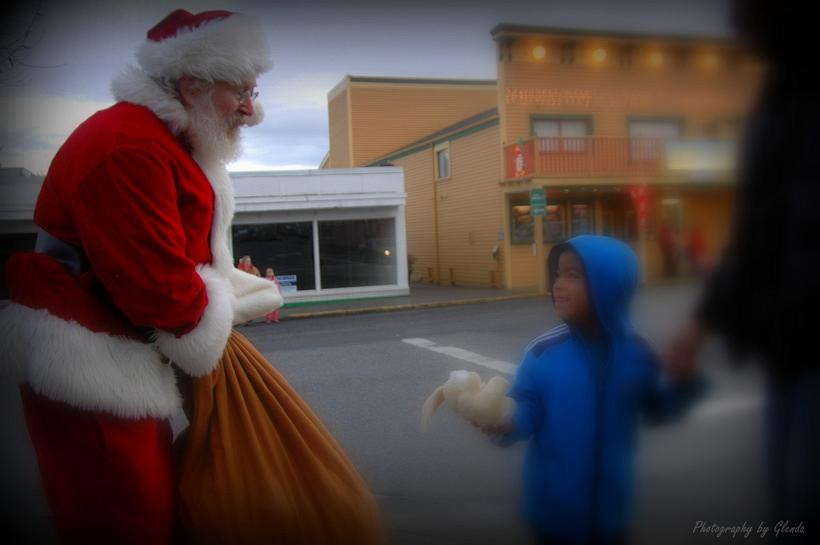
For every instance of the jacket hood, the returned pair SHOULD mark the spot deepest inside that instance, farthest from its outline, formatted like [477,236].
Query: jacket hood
[612,271]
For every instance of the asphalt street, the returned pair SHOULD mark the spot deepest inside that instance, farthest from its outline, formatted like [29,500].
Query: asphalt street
[368,375]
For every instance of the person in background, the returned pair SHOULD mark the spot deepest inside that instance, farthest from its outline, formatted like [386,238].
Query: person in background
[246,265]
[763,296]
[696,251]
[274,315]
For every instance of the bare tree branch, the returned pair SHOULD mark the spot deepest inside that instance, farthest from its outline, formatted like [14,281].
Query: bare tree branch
[13,53]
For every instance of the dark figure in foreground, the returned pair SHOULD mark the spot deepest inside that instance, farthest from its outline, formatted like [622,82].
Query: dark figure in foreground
[763,297]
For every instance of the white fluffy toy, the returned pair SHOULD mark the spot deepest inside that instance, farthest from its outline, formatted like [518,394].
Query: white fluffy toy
[482,404]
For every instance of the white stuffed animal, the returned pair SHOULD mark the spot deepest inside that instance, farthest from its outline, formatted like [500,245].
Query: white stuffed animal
[483,404]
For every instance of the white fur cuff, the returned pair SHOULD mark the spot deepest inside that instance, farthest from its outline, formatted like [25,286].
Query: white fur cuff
[198,351]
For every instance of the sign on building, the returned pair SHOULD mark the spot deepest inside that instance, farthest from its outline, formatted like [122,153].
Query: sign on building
[538,201]
[287,283]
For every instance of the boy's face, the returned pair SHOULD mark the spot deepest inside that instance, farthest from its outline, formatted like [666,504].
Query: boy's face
[569,292]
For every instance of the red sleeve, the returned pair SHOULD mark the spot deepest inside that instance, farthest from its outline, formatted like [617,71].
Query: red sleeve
[128,219]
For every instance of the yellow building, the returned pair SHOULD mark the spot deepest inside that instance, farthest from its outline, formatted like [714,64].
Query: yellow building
[593,118]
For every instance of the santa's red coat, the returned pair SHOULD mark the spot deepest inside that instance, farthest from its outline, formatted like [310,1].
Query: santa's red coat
[125,192]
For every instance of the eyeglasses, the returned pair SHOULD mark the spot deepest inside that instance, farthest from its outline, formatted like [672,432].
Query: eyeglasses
[242,96]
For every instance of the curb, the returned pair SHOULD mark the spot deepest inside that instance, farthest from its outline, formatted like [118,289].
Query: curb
[408,306]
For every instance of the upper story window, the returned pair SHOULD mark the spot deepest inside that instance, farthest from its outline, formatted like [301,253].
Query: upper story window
[626,55]
[568,53]
[647,136]
[442,152]
[562,134]
[657,128]
[733,60]
[680,58]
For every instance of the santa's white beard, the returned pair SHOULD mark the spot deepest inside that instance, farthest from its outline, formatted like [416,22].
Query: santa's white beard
[216,138]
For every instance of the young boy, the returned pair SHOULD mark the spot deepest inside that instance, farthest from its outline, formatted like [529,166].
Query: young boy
[579,390]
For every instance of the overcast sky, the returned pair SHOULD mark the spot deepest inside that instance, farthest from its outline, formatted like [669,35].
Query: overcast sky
[78,46]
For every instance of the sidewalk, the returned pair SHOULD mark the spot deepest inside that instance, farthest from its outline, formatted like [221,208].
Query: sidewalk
[421,296]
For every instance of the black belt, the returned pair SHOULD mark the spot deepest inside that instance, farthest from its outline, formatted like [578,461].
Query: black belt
[73,259]
[69,256]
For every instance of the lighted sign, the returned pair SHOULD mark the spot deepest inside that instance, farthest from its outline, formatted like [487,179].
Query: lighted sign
[548,97]
[704,156]
[682,97]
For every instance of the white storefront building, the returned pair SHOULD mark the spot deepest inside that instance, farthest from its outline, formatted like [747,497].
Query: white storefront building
[328,234]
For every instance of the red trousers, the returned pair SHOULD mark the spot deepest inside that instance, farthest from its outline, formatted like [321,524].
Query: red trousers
[107,479]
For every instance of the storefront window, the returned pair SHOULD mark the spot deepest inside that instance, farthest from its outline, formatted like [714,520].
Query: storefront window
[285,247]
[554,225]
[522,224]
[581,218]
[357,253]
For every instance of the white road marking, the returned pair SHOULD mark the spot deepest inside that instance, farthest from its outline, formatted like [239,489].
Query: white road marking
[464,355]
[726,406]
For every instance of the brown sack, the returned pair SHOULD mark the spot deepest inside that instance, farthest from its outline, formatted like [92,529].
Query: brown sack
[257,466]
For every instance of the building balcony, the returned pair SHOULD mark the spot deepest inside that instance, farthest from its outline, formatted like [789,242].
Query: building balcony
[601,156]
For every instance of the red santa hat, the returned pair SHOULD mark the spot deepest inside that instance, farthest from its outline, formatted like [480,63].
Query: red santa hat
[212,45]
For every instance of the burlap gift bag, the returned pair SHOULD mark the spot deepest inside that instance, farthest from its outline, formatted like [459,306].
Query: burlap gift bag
[257,466]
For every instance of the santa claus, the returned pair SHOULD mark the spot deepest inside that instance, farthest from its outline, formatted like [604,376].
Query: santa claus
[132,279]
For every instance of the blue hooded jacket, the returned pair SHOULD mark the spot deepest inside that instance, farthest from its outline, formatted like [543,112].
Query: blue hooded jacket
[579,404]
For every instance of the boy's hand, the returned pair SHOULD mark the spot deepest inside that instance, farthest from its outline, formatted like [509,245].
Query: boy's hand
[680,356]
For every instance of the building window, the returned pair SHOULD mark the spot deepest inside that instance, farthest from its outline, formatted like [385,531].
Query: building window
[555,229]
[285,247]
[357,253]
[561,135]
[680,58]
[442,161]
[581,219]
[568,53]
[521,223]
[626,55]
[442,155]
[733,60]
[724,128]
[646,135]
[659,128]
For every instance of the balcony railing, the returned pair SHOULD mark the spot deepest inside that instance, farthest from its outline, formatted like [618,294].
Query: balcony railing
[585,156]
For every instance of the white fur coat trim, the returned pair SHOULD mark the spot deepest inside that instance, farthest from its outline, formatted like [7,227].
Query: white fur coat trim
[64,361]
[198,351]
[135,86]
[231,49]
